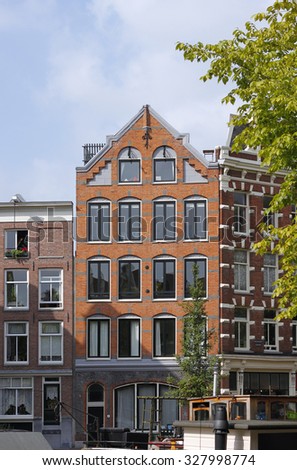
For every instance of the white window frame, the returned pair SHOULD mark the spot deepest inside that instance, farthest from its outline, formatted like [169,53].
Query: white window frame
[238,322]
[16,335]
[157,346]
[241,266]
[135,342]
[269,273]
[103,337]
[196,258]
[200,201]
[16,244]
[130,202]
[163,201]
[267,324]
[99,260]
[129,154]
[130,259]
[16,385]
[161,154]
[90,221]
[164,259]
[50,336]
[238,208]
[17,284]
[52,280]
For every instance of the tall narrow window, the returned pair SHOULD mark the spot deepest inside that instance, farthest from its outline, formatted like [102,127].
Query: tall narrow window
[51,342]
[16,289]
[241,326]
[99,221]
[164,228]
[129,337]
[51,399]
[129,165]
[129,221]
[98,338]
[95,410]
[50,288]
[241,270]
[129,279]
[195,220]
[190,263]
[99,279]
[269,267]
[268,219]
[164,279]
[270,331]
[16,342]
[164,337]
[164,165]
[240,213]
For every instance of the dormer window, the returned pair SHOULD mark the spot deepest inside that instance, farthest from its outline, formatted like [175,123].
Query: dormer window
[129,165]
[164,165]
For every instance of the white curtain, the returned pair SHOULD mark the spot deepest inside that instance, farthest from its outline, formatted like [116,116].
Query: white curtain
[134,332]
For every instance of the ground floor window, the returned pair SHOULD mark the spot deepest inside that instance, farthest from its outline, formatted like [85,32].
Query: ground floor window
[16,396]
[136,405]
[262,383]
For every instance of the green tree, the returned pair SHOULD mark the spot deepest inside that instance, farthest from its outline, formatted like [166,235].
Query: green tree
[196,364]
[260,64]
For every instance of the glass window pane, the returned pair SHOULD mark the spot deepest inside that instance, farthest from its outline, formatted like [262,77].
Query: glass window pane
[98,280]
[129,279]
[129,171]
[164,170]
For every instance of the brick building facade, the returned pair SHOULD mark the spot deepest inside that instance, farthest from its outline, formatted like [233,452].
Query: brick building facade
[147,210]
[36,321]
[259,354]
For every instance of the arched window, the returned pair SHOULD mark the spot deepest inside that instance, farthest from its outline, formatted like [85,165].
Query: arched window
[129,278]
[195,219]
[99,220]
[128,336]
[99,278]
[129,165]
[164,159]
[164,220]
[135,412]
[164,335]
[164,277]
[98,340]
[191,262]
[129,220]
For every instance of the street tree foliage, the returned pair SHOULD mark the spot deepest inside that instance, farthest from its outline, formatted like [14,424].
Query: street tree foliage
[196,364]
[260,65]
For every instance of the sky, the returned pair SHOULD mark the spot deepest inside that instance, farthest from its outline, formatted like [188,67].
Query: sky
[74,71]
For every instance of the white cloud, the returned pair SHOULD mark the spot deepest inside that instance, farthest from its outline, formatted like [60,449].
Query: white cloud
[92,64]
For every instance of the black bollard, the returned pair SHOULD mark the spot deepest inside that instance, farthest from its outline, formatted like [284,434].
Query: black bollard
[220,428]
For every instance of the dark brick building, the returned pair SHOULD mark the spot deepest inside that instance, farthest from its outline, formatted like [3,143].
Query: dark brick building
[259,354]
[36,321]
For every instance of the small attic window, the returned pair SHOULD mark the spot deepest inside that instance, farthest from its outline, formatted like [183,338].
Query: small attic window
[129,165]
[164,165]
